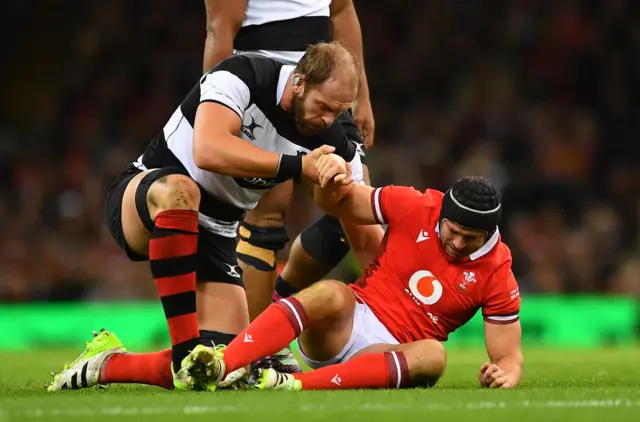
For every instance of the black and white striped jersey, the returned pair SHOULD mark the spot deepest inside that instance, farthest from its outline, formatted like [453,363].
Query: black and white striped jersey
[251,86]
[282,29]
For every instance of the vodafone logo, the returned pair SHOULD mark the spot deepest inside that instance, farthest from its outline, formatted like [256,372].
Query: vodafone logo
[425,287]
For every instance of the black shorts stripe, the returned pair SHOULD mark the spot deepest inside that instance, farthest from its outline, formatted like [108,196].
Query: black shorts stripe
[171,267]
[179,304]
[159,233]
[286,35]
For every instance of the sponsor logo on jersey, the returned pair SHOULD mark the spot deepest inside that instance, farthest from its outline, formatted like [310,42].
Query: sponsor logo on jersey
[515,293]
[425,287]
[257,182]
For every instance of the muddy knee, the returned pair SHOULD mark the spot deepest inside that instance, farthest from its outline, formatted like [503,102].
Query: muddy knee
[171,192]
[427,360]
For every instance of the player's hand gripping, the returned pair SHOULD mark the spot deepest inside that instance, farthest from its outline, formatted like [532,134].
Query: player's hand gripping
[309,170]
[491,376]
[332,167]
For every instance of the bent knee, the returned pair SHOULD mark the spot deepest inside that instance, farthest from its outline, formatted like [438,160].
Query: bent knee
[327,298]
[257,247]
[334,293]
[174,191]
[427,363]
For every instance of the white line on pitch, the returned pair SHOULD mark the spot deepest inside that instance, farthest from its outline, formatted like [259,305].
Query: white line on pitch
[364,407]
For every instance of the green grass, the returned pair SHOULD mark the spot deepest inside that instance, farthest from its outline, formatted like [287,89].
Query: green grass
[558,386]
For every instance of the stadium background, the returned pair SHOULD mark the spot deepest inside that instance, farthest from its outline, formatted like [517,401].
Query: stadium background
[539,96]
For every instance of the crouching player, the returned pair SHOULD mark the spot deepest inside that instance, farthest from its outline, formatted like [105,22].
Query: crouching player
[442,259]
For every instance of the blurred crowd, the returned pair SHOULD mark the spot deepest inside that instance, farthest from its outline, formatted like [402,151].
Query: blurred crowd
[539,96]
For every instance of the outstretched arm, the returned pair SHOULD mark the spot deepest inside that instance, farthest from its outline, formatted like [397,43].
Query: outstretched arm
[218,150]
[351,203]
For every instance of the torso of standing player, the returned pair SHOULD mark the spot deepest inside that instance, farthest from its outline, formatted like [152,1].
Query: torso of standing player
[282,29]
[444,293]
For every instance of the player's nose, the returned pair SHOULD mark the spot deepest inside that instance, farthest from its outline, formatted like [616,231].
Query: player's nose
[458,243]
[328,120]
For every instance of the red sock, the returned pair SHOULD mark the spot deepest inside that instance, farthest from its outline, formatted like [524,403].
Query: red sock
[271,332]
[377,370]
[173,256]
[139,368]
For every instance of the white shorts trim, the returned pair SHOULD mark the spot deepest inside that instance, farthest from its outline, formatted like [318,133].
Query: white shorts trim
[366,331]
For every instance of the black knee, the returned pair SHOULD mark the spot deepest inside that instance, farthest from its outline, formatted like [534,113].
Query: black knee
[325,241]
[258,246]
[214,338]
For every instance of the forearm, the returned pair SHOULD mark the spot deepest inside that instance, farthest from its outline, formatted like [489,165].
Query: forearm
[346,30]
[364,240]
[328,198]
[235,157]
[224,20]
[512,365]
[217,47]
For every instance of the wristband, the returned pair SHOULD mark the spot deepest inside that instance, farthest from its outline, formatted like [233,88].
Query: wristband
[289,167]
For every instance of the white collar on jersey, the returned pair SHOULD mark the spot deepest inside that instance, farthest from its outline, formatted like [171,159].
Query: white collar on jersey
[285,72]
[484,249]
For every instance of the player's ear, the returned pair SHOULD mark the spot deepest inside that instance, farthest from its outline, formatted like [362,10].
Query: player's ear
[298,83]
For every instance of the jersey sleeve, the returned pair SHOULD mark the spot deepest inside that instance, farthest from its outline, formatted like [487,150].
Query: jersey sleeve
[501,302]
[351,129]
[357,172]
[229,84]
[391,203]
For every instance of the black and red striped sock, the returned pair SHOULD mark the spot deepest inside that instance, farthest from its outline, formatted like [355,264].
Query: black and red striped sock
[172,253]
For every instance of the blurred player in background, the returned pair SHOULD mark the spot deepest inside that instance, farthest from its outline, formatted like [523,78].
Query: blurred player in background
[442,260]
[282,29]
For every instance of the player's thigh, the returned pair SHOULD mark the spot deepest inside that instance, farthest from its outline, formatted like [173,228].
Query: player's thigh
[136,236]
[221,301]
[149,193]
[426,359]
[330,306]
[272,207]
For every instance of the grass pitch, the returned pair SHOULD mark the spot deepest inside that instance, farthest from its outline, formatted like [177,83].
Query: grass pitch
[558,386]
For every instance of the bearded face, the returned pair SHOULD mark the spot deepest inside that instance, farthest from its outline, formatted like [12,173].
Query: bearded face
[306,123]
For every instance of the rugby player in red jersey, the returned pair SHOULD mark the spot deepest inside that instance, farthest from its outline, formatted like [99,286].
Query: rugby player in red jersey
[442,259]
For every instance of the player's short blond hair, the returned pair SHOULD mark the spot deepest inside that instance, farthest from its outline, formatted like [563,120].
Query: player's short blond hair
[324,61]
